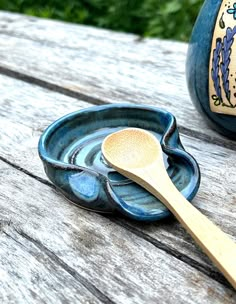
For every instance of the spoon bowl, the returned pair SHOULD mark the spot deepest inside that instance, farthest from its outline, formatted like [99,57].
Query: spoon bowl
[115,147]
[137,154]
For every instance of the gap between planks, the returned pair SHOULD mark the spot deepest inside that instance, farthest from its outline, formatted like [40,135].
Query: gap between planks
[15,26]
[56,88]
[215,275]
[70,239]
[21,103]
[96,101]
[78,277]
[19,237]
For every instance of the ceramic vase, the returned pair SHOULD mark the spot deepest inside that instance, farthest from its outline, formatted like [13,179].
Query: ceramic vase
[211,65]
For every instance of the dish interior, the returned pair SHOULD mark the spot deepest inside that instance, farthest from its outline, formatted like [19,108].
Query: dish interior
[78,141]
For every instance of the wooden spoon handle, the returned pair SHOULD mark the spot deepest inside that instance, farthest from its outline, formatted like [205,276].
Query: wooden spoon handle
[214,242]
[137,155]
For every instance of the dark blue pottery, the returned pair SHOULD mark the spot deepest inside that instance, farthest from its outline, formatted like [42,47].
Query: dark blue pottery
[210,68]
[70,149]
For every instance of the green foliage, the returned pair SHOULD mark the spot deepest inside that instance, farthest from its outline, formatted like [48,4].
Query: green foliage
[158,18]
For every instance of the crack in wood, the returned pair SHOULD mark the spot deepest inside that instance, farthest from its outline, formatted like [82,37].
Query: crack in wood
[206,138]
[180,256]
[11,237]
[41,180]
[78,277]
[50,86]
[215,275]
[136,40]
[158,243]
[43,42]
[96,101]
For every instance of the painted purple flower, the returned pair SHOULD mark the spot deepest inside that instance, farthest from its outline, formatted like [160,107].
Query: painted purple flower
[215,72]
[226,59]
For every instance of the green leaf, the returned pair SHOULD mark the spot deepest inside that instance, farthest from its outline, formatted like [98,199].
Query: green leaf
[171,19]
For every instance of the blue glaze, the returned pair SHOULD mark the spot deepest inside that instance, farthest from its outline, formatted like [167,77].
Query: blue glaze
[197,68]
[85,186]
[71,152]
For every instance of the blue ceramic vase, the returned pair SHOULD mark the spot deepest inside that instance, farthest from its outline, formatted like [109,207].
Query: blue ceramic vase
[211,65]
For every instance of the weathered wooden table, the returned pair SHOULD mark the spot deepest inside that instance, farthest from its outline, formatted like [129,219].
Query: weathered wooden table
[54,252]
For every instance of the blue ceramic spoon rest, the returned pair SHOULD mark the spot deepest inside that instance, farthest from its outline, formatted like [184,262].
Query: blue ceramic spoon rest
[70,149]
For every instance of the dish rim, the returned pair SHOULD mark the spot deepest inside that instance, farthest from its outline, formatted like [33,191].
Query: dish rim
[178,150]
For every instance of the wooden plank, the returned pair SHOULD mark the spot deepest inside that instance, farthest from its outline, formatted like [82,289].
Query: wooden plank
[101,66]
[88,246]
[22,122]
[29,275]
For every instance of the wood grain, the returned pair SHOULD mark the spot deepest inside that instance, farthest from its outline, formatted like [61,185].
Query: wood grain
[29,275]
[101,66]
[129,270]
[137,155]
[24,118]
[45,239]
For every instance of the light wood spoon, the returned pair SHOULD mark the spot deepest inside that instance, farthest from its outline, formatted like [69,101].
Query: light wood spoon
[137,154]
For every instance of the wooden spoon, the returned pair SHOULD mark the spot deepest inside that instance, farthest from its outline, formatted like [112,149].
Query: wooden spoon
[137,154]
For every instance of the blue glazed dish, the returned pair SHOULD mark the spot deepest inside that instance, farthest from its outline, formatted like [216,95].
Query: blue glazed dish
[198,60]
[70,149]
